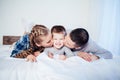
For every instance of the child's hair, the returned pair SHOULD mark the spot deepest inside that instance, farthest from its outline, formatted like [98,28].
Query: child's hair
[58,29]
[37,32]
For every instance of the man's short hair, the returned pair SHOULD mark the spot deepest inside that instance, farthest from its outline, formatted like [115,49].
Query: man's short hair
[80,36]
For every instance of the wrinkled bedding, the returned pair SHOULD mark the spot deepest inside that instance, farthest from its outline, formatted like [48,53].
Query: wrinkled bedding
[73,68]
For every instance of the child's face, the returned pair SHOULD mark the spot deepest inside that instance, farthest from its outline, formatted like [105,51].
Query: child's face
[58,40]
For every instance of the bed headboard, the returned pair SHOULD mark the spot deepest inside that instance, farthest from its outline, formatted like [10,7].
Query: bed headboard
[8,40]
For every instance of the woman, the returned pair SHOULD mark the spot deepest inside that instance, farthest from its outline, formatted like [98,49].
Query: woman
[35,41]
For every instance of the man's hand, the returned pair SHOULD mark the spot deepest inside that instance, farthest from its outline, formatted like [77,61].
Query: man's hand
[31,58]
[87,56]
[94,57]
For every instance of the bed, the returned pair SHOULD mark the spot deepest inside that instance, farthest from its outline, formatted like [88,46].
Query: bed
[73,68]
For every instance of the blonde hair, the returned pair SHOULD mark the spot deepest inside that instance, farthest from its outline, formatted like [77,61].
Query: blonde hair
[35,35]
[37,32]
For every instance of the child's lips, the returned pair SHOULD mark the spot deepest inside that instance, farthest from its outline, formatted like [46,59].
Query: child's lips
[58,44]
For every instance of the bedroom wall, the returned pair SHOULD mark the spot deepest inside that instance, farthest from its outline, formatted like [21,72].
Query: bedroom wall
[17,16]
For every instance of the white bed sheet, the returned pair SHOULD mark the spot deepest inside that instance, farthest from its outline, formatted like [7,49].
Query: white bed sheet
[73,68]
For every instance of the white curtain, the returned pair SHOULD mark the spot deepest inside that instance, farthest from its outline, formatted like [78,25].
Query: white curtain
[110,26]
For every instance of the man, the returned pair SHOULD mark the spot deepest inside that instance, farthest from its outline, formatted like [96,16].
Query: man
[80,43]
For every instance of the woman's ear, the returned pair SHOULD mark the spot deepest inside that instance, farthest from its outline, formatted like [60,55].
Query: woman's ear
[39,45]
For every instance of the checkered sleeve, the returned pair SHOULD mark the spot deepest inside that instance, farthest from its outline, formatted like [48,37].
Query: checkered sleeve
[21,44]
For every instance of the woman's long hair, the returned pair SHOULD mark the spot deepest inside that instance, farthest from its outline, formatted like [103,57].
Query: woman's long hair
[35,35]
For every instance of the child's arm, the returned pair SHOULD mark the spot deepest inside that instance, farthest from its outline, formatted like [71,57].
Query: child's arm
[48,53]
[68,52]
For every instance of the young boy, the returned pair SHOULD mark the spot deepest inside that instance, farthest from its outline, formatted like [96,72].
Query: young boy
[58,50]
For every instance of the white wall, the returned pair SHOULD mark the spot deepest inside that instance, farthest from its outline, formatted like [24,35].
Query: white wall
[16,16]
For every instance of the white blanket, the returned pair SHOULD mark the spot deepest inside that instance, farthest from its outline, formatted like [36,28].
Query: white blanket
[73,68]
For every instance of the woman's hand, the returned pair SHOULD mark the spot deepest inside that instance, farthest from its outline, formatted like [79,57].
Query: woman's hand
[31,58]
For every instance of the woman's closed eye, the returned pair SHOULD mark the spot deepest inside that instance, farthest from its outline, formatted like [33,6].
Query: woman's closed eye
[49,41]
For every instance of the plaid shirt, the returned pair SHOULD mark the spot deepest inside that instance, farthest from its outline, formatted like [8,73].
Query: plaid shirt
[22,44]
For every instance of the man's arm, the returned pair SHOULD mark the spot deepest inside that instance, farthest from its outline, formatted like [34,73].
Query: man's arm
[92,52]
[99,51]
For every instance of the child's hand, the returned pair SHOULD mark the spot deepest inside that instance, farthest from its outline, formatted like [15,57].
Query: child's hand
[62,57]
[50,55]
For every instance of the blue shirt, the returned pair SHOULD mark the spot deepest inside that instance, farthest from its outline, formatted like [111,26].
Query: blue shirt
[22,44]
